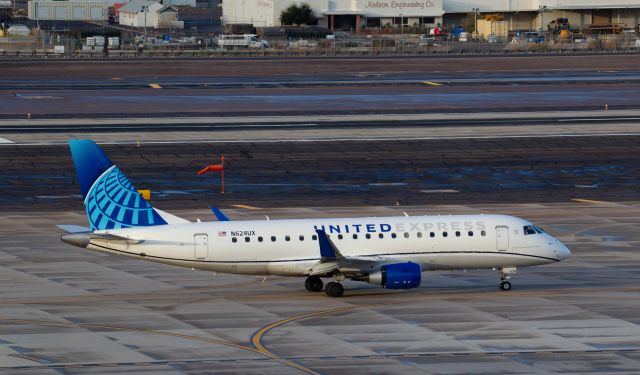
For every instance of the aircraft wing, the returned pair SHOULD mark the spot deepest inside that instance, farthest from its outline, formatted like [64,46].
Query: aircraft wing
[332,260]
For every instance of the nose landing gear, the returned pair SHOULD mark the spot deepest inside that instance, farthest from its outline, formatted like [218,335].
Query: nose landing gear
[505,285]
[505,275]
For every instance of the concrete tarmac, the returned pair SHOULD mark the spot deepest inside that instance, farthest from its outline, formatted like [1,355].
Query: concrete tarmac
[72,311]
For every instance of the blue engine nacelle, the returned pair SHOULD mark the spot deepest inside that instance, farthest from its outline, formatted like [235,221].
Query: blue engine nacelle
[397,276]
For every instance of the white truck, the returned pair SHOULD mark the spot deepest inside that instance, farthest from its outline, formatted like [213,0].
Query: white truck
[242,41]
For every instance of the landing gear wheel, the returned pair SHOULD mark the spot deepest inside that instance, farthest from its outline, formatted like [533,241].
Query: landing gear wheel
[334,289]
[505,285]
[313,284]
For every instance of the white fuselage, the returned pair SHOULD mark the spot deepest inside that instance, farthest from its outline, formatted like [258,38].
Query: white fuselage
[290,247]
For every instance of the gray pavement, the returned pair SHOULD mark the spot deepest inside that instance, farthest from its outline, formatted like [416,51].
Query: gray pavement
[68,310]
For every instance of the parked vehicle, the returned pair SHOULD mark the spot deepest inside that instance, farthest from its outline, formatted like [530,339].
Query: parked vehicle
[427,40]
[242,41]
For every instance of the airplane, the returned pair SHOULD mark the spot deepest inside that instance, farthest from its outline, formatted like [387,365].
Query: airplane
[391,252]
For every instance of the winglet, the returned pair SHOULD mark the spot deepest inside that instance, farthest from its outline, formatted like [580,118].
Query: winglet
[219,214]
[327,249]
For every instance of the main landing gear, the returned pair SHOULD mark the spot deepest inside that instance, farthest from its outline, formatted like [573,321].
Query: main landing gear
[334,289]
[313,284]
[505,276]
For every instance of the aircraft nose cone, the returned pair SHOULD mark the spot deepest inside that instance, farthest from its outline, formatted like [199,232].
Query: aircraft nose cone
[76,239]
[563,251]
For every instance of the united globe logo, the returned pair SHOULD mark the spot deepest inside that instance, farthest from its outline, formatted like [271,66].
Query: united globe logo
[114,203]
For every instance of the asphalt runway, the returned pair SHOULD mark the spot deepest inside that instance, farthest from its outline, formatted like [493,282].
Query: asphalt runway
[341,173]
[233,87]
[72,311]
[312,100]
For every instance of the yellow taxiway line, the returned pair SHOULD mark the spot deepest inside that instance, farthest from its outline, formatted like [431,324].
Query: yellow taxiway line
[432,83]
[256,339]
[588,201]
[155,86]
[245,206]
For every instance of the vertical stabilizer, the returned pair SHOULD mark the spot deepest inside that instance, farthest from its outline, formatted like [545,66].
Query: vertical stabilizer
[110,199]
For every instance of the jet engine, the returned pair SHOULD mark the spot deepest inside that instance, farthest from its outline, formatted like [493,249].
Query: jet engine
[397,276]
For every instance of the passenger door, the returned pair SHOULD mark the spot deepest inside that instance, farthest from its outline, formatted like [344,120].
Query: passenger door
[502,238]
[201,246]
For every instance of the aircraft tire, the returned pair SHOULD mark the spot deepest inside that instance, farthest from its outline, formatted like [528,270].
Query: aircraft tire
[334,289]
[313,284]
[505,285]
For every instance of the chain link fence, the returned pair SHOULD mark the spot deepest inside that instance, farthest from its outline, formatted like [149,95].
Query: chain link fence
[44,44]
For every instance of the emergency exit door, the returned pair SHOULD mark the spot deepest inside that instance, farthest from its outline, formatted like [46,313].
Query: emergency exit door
[502,238]
[201,242]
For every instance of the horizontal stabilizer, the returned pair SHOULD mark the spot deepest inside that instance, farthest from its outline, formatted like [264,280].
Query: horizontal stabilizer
[219,214]
[70,228]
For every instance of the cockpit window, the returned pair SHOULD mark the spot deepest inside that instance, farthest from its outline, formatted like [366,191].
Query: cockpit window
[528,229]
[538,229]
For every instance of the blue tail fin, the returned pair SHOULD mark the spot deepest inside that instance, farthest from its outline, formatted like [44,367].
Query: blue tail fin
[109,198]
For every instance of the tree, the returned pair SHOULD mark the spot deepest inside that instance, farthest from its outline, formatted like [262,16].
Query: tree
[298,15]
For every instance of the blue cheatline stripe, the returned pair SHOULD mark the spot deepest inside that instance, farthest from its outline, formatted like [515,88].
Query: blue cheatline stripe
[103,222]
[119,196]
[110,209]
[94,214]
[127,199]
[121,212]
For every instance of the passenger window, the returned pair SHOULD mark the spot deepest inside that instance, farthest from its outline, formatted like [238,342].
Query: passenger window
[419,234]
[432,234]
[247,239]
[340,237]
[368,236]
[406,234]
[234,240]
[393,235]
[483,233]
[528,229]
[470,233]
[444,234]
[259,239]
[287,238]
[273,238]
[314,237]
[457,233]
[301,238]
[380,235]
[355,236]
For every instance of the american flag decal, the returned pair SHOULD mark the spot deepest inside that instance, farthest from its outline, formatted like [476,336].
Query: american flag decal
[222,234]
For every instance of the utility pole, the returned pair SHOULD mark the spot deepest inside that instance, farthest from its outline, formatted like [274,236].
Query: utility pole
[402,32]
[475,17]
[145,8]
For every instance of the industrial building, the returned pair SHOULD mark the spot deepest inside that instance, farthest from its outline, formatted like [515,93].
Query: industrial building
[87,10]
[68,10]
[145,13]
[357,15]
